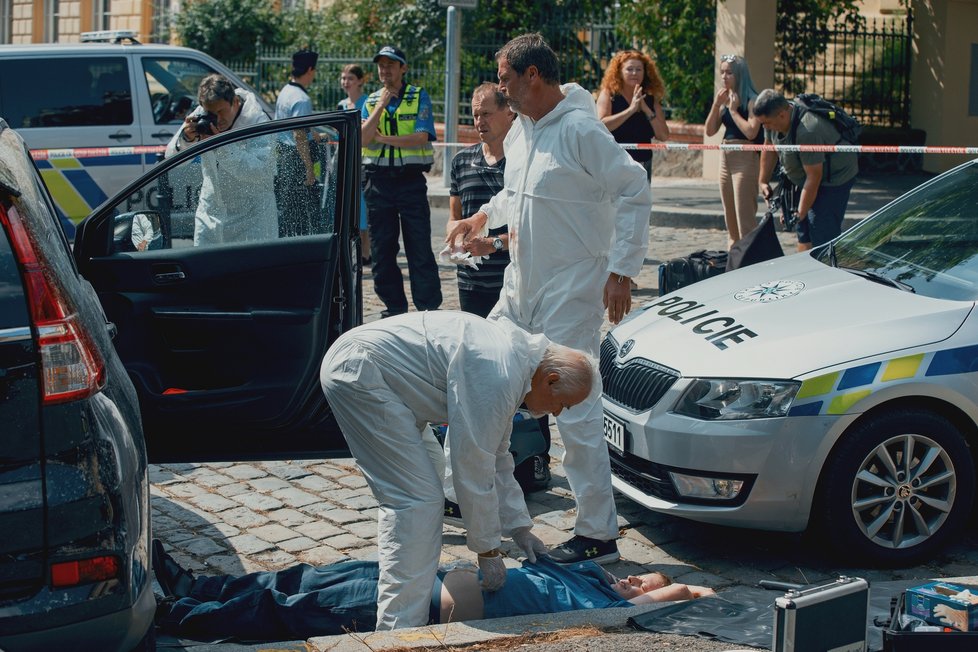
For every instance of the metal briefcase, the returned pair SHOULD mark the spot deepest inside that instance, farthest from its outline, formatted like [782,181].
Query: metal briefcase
[824,617]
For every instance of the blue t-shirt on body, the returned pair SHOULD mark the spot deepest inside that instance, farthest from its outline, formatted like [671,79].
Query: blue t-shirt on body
[549,587]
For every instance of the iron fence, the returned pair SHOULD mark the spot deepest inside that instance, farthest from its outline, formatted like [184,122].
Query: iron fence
[584,44]
[865,70]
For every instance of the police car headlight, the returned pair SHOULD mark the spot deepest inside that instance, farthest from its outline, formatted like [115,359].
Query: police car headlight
[709,398]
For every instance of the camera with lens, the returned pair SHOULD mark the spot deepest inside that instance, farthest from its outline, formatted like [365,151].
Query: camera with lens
[206,125]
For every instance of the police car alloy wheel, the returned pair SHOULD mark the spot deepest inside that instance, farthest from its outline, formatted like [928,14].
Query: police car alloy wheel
[898,486]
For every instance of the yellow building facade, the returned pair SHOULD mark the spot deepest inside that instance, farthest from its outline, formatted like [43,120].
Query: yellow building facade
[63,21]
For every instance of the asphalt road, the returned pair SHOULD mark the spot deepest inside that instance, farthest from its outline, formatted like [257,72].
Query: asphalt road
[234,518]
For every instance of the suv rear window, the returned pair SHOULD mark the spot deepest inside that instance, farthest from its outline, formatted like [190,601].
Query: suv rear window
[85,91]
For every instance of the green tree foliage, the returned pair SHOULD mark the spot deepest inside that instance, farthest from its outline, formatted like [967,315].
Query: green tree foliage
[679,35]
[227,29]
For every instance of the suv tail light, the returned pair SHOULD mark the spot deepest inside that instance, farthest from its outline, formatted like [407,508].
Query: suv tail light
[72,367]
[84,571]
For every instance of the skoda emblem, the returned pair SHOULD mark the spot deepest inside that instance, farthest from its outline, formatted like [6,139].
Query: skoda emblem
[625,348]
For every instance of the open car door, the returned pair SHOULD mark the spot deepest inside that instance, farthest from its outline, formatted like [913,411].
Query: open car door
[226,286]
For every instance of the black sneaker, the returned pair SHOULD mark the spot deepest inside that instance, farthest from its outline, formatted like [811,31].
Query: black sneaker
[585,549]
[541,472]
[453,514]
[533,473]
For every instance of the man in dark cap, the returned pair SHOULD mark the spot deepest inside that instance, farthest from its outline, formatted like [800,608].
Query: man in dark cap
[296,176]
[398,128]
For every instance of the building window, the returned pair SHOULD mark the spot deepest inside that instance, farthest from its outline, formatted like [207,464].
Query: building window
[162,14]
[52,17]
[101,14]
[6,20]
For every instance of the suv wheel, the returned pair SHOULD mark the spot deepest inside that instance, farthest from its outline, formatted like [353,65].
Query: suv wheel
[896,488]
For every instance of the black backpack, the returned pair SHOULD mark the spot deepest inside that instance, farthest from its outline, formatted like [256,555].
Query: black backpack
[848,127]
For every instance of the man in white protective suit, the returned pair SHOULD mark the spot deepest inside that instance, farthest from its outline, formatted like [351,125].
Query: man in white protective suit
[578,211]
[237,198]
[385,381]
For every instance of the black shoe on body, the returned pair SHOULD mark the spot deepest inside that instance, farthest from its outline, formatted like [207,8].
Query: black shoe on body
[580,548]
[453,514]
[175,580]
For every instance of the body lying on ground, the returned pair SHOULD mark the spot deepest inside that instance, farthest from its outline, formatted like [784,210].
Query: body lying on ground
[303,601]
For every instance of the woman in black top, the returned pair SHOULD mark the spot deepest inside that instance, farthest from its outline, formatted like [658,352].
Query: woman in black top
[629,103]
[739,171]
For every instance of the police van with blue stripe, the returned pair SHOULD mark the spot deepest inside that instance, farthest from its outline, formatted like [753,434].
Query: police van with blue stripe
[98,114]
[834,390]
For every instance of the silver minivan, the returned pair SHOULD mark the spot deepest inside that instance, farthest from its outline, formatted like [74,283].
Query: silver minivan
[98,114]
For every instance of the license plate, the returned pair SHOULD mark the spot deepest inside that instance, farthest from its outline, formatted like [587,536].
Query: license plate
[614,433]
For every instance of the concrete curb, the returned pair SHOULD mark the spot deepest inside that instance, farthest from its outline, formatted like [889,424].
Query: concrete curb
[477,631]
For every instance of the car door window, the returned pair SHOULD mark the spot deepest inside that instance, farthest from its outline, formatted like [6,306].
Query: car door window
[172,84]
[229,193]
[76,92]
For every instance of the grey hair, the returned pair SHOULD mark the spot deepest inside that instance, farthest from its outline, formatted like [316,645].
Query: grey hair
[215,87]
[769,102]
[576,370]
[741,72]
[531,50]
[490,90]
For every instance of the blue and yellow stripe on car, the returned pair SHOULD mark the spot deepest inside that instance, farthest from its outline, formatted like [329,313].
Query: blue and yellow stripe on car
[64,171]
[71,186]
[837,392]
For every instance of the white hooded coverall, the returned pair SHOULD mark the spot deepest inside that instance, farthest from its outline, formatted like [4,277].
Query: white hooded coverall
[578,210]
[237,196]
[384,382]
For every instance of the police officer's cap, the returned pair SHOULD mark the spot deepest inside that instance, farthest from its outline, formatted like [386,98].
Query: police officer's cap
[303,60]
[391,52]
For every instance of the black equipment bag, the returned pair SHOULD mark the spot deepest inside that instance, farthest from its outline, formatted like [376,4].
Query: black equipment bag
[757,246]
[686,270]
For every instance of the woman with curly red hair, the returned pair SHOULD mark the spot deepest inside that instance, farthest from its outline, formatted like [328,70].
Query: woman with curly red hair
[629,104]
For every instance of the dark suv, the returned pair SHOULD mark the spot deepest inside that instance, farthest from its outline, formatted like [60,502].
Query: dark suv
[112,352]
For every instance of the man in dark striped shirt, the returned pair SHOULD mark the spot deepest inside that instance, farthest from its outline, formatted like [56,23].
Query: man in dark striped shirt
[477,175]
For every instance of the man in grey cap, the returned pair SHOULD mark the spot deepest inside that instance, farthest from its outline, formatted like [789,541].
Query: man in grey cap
[295,188]
[397,131]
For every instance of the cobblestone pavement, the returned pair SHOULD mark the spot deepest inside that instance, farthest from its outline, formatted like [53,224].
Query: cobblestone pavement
[239,517]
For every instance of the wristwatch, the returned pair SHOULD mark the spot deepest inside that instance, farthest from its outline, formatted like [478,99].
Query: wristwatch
[497,244]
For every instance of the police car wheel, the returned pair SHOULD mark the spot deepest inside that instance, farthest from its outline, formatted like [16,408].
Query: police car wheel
[896,488]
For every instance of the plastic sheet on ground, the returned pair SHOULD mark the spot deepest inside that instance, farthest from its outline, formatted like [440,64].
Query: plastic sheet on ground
[745,616]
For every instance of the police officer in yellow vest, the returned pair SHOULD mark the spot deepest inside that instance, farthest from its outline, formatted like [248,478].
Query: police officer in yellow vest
[397,131]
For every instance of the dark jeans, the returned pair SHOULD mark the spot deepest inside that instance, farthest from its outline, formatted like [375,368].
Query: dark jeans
[295,603]
[397,205]
[477,302]
[829,208]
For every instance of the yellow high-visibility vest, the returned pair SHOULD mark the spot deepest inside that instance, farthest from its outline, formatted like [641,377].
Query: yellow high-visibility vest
[399,123]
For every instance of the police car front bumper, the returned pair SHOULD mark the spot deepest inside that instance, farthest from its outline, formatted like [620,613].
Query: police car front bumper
[756,473]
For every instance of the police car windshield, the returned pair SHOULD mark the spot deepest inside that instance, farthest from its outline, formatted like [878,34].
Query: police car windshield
[927,240]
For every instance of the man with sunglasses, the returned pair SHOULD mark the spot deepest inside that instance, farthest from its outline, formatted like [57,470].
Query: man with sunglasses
[397,131]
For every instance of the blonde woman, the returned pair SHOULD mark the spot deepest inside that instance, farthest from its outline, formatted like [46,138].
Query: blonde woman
[629,103]
[739,171]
